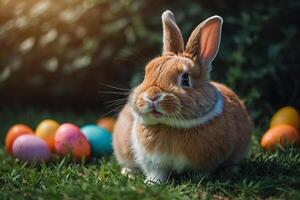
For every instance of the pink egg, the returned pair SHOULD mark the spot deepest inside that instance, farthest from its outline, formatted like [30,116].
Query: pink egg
[31,148]
[70,140]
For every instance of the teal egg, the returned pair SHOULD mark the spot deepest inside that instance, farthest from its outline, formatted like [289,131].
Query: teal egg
[99,138]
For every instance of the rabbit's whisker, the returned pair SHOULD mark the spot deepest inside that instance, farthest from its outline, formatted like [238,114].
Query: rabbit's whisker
[113,110]
[114,104]
[115,87]
[116,100]
[113,92]
[190,111]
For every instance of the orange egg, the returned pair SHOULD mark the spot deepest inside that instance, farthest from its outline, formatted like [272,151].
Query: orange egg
[14,132]
[46,130]
[279,135]
[286,115]
[108,123]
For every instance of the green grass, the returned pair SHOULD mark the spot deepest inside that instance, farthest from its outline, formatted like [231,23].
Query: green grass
[265,175]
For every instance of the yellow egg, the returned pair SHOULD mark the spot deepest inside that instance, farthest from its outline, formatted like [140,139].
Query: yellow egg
[46,130]
[286,115]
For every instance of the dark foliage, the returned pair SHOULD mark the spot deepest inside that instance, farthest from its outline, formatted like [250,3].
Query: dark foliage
[61,52]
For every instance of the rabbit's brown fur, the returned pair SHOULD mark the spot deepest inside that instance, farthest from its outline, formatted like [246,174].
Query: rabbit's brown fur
[160,144]
[204,146]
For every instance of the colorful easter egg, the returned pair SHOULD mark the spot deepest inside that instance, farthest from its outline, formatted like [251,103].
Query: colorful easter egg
[14,132]
[279,135]
[286,115]
[108,123]
[31,148]
[70,140]
[46,130]
[100,139]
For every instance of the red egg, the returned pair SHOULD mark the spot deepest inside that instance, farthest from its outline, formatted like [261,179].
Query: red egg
[70,140]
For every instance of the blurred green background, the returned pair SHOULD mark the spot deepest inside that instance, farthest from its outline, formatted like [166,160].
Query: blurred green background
[61,53]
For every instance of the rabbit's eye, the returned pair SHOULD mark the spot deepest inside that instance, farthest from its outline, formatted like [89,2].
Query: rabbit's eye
[185,80]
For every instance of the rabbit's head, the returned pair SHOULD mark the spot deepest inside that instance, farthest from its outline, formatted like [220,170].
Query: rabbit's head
[176,86]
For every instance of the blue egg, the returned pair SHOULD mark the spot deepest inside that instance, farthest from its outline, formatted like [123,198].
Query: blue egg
[99,138]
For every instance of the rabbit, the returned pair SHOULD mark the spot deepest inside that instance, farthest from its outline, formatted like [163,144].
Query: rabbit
[178,120]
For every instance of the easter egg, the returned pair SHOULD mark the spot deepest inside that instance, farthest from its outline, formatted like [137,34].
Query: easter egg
[286,115]
[279,135]
[14,132]
[31,148]
[70,140]
[46,130]
[99,138]
[108,123]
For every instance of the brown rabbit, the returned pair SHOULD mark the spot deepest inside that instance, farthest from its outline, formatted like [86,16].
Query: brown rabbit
[177,119]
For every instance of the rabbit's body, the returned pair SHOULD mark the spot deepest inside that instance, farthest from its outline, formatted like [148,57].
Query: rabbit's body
[176,119]
[201,149]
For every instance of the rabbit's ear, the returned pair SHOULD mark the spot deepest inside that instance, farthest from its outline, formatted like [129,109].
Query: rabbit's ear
[204,41]
[172,38]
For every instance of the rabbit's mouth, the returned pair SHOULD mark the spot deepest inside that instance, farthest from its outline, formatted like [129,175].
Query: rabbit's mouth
[156,113]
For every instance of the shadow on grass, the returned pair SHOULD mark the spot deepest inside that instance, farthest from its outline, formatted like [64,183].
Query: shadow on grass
[263,175]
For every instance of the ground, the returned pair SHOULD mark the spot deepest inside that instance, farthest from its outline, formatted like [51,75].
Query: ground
[265,175]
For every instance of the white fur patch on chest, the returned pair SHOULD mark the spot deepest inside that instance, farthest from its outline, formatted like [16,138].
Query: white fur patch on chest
[155,159]
[164,160]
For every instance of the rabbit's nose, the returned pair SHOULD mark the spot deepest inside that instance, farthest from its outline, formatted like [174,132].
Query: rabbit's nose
[154,98]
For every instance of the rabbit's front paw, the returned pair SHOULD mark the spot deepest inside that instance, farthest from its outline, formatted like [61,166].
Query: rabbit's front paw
[157,177]
[126,171]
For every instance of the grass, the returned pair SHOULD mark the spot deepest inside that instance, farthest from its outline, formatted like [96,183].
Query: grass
[265,175]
